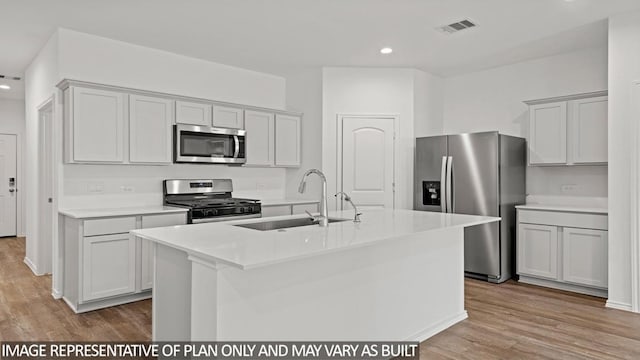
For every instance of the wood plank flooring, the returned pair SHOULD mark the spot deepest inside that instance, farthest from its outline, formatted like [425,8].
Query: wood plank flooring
[28,312]
[507,321]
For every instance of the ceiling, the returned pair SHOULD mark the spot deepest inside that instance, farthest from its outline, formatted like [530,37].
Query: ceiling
[273,35]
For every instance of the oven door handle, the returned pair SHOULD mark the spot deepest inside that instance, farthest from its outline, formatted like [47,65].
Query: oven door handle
[237,143]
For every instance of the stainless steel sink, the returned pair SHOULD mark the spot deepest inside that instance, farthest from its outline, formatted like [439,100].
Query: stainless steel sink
[283,224]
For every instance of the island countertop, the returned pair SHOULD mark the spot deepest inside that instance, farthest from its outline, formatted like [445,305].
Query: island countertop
[247,248]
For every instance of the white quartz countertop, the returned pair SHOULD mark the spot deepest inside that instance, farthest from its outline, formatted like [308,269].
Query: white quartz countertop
[564,208]
[124,211]
[247,248]
[278,202]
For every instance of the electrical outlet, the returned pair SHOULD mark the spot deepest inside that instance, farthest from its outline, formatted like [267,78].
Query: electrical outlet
[127,189]
[567,188]
[95,187]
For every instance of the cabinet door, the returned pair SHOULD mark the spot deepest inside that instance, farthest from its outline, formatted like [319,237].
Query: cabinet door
[228,117]
[97,125]
[193,113]
[147,247]
[537,251]
[287,140]
[260,144]
[548,134]
[585,257]
[589,130]
[150,125]
[108,266]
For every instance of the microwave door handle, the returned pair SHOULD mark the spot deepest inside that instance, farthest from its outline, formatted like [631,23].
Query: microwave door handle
[237,143]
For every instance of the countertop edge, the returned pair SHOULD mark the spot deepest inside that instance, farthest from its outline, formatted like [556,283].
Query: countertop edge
[103,213]
[213,259]
[564,208]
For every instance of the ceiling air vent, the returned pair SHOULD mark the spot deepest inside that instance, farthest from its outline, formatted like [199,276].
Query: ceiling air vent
[17,78]
[457,26]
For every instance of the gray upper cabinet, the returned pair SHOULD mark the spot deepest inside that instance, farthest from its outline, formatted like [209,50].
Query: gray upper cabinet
[95,125]
[287,140]
[111,125]
[193,113]
[548,133]
[228,117]
[569,130]
[150,125]
[260,139]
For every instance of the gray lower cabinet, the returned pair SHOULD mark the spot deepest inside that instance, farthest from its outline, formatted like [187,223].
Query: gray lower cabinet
[108,266]
[104,265]
[564,250]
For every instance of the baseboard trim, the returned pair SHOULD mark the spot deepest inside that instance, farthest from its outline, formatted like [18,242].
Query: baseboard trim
[108,302]
[564,286]
[32,266]
[618,305]
[438,327]
[56,294]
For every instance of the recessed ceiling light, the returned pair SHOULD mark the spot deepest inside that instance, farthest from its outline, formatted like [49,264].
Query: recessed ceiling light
[5,87]
[386,50]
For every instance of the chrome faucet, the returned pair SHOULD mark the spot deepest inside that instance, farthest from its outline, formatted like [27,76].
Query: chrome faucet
[323,219]
[346,197]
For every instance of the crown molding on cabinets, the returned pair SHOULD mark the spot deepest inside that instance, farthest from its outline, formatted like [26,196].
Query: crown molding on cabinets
[64,84]
[568,97]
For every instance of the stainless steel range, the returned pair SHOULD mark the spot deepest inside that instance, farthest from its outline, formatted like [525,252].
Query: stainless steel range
[209,200]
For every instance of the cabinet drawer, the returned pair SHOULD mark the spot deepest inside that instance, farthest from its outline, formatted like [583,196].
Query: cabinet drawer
[109,226]
[576,220]
[151,221]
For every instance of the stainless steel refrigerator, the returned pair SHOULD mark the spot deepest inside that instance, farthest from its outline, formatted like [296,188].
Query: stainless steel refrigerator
[476,174]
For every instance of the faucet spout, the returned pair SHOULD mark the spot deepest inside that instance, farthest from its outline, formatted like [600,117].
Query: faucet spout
[324,211]
[346,197]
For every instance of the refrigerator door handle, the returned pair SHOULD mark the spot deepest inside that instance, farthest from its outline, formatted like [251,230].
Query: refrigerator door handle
[443,185]
[449,182]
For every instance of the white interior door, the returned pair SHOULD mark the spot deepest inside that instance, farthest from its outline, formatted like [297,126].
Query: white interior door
[368,161]
[8,182]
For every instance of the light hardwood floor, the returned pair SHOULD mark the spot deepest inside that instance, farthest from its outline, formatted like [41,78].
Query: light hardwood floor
[507,321]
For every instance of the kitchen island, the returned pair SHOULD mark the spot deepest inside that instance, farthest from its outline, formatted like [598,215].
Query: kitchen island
[397,275]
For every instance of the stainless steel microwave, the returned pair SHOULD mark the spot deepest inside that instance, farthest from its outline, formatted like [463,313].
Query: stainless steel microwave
[205,144]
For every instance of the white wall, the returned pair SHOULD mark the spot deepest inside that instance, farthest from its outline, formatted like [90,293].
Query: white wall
[379,91]
[493,100]
[97,59]
[12,121]
[624,69]
[90,58]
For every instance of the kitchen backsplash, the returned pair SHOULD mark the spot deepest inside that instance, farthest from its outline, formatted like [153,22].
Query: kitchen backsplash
[90,186]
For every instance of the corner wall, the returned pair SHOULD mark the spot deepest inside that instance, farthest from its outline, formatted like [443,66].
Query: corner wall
[624,70]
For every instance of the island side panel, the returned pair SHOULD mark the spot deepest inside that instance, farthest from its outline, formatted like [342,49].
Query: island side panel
[408,288]
[171,306]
